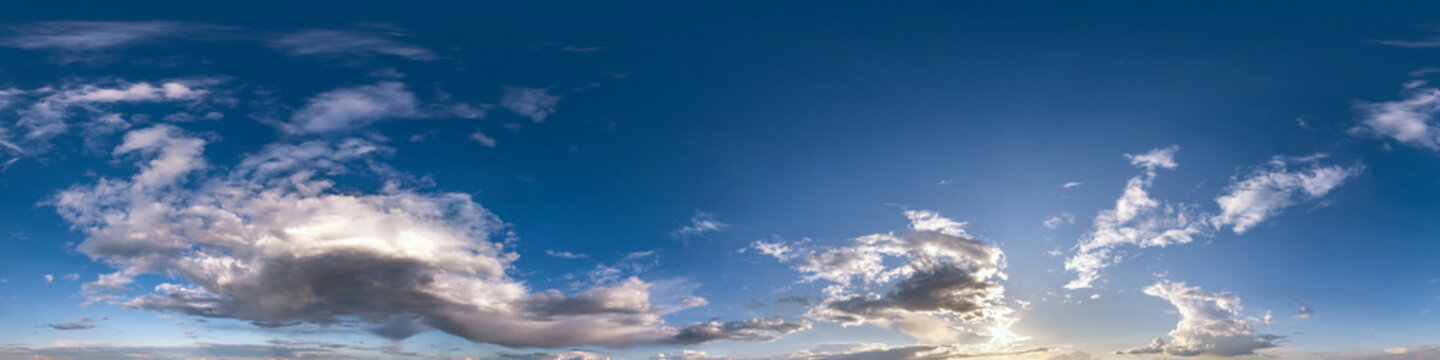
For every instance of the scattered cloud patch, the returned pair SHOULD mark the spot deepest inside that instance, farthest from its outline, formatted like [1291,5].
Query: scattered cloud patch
[534,103]
[95,107]
[1143,221]
[1055,221]
[701,223]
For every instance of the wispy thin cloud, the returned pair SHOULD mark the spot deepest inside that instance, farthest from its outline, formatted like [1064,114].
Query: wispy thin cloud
[84,323]
[101,35]
[565,254]
[534,103]
[325,42]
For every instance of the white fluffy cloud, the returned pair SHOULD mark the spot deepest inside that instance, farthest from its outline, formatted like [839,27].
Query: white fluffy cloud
[1264,192]
[1409,121]
[945,288]
[1208,324]
[1139,220]
[349,108]
[270,241]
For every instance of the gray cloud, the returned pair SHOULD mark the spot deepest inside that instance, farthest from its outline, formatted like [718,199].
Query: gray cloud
[751,330]
[83,323]
[944,289]
[269,241]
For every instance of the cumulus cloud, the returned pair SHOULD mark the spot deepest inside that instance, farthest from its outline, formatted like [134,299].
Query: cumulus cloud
[271,241]
[1208,324]
[944,287]
[1264,192]
[1055,221]
[334,43]
[536,104]
[702,222]
[83,323]
[99,35]
[1409,121]
[1137,219]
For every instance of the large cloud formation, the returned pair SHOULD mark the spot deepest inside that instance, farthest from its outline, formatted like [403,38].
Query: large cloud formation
[1137,219]
[271,240]
[1208,324]
[946,288]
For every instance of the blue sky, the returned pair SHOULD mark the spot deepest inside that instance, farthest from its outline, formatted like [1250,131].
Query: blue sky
[719,180]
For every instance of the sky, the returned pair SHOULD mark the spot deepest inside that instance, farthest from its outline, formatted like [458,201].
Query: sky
[708,180]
